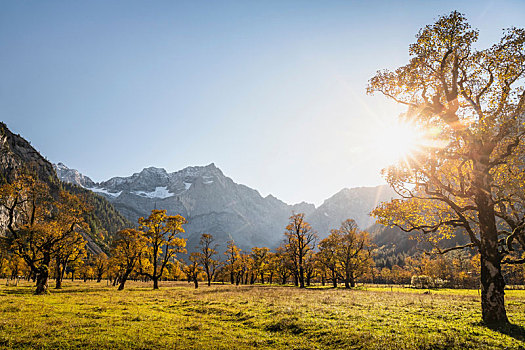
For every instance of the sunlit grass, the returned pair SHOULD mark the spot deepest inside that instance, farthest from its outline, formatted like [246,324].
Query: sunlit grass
[97,316]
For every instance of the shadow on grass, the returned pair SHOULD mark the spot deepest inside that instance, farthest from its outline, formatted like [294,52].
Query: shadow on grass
[31,290]
[19,291]
[73,290]
[512,330]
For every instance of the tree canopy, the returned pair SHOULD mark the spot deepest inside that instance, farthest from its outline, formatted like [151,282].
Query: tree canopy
[467,176]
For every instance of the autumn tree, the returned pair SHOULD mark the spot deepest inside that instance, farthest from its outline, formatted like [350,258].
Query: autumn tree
[100,265]
[260,261]
[327,256]
[69,251]
[232,257]
[300,239]
[283,264]
[38,222]
[352,252]
[86,271]
[126,252]
[272,266]
[468,175]
[193,268]
[310,267]
[243,268]
[163,242]
[207,251]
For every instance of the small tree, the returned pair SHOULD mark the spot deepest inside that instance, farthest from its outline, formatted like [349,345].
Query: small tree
[127,249]
[284,264]
[192,269]
[206,254]
[232,256]
[260,261]
[300,239]
[69,251]
[327,256]
[352,253]
[100,265]
[163,242]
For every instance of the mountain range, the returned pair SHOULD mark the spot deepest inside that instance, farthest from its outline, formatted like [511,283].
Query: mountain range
[210,201]
[213,203]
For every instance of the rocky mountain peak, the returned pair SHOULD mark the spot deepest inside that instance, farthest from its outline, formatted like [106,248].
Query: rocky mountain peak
[72,176]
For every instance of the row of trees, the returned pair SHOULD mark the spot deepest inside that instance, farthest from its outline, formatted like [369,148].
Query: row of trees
[344,255]
[45,238]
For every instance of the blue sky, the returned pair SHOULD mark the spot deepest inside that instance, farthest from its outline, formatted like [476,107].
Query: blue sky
[272,92]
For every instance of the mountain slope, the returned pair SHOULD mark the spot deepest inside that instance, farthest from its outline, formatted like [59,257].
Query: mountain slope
[17,154]
[354,203]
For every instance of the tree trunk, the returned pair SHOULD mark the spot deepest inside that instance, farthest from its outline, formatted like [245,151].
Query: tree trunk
[492,282]
[58,283]
[492,292]
[58,274]
[123,279]
[301,276]
[43,275]
[41,280]
[232,277]
[155,282]
[196,282]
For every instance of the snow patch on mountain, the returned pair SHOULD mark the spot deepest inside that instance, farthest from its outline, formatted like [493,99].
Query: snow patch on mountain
[104,191]
[160,192]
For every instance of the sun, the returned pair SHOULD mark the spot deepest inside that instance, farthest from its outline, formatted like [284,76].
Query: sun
[397,140]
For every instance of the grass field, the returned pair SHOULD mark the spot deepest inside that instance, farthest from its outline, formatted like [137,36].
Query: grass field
[96,316]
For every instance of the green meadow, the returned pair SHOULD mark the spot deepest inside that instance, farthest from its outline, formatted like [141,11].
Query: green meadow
[96,316]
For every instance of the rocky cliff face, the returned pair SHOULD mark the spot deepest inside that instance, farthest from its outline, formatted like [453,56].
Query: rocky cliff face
[213,203]
[17,154]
